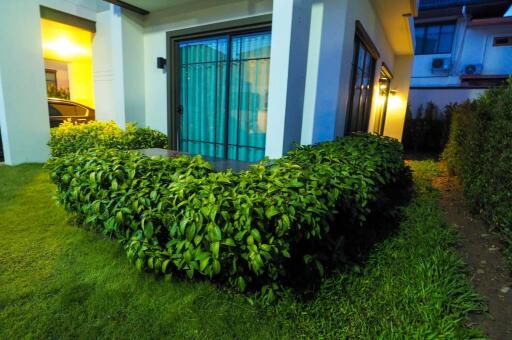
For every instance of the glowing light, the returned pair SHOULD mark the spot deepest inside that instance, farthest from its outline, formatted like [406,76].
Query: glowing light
[65,47]
[394,102]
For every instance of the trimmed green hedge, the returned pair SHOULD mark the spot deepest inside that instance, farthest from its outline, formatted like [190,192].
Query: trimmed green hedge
[69,137]
[479,151]
[254,230]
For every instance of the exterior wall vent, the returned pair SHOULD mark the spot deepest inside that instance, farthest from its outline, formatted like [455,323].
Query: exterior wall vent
[441,65]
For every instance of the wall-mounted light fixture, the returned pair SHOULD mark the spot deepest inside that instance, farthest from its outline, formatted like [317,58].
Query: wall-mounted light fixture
[161,62]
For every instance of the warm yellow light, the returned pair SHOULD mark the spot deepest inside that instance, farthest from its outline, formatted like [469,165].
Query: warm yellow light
[65,48]
[394,102]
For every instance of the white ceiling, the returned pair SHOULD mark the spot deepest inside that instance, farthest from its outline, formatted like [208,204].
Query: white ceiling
[156,5]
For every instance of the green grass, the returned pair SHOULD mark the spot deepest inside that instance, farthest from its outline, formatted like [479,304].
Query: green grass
[413,285]
[60,281]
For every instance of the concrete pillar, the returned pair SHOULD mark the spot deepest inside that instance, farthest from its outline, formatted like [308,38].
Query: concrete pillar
[23,105]
[330,63]
[289,50]
[133,67]
[108,66]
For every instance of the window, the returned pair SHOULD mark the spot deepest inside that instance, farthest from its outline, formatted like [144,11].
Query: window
[434,38]
[51,78]
[363,71]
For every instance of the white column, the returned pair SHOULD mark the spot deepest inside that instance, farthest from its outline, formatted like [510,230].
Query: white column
[328,106]
[313,63]
[108,66]
[23,104]
[133,67]
[290,31]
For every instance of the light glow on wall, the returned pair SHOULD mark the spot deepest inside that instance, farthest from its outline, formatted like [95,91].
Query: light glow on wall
[395,101]
[64,47]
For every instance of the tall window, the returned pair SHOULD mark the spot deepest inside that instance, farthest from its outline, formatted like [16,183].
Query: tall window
[363,69]
[223,90]
[434,38]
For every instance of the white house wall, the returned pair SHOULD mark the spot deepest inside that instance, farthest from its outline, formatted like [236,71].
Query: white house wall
[479,49]
[23,107]
[441,97]
[363,11]
[133,68]
[82,8]
[472,45]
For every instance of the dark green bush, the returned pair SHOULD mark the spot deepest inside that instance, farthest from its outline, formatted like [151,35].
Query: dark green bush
[69,137]
[427,130]
[479,151]
[251,229]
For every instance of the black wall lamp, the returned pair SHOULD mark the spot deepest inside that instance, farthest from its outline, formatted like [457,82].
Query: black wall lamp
[161,62]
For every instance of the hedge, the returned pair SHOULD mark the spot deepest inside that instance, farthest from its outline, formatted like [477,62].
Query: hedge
[69,137]
[479,151]
[257,229]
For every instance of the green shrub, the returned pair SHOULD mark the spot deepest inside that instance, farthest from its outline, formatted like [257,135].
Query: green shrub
[480,153]
[252,229]
[69,137]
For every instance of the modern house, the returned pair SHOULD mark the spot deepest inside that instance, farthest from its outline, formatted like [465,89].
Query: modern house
[235,79]
[462,48]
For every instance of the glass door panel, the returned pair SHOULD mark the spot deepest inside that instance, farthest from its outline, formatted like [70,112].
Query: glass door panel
[248,96]
[203,67]
[362,86]
[223,95]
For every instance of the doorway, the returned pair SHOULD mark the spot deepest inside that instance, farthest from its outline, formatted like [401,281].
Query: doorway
[221,94]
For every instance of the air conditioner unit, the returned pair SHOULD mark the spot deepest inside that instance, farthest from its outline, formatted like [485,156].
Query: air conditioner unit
[472,69]
[441,65]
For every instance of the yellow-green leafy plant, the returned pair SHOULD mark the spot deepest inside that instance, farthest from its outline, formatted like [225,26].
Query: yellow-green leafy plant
[70,137]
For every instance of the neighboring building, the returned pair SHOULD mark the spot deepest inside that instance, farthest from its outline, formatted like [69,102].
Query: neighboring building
[462,48]
[237,79]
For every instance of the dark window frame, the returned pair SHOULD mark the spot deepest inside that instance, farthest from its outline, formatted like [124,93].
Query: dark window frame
[361,38]
[425,26]
[260,23]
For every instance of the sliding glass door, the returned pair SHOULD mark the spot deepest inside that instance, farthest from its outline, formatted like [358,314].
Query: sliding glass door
[223,90]
[360,101]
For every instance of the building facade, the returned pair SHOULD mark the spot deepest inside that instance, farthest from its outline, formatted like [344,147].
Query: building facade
[462,48]
[236,79]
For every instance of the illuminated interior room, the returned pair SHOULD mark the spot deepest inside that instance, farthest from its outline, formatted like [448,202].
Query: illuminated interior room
[67,53]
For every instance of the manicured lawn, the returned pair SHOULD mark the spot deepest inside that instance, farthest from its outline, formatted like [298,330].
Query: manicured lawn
[60,281]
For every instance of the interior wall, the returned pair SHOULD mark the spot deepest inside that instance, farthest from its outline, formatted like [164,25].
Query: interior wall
[72,46]
[62,72]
